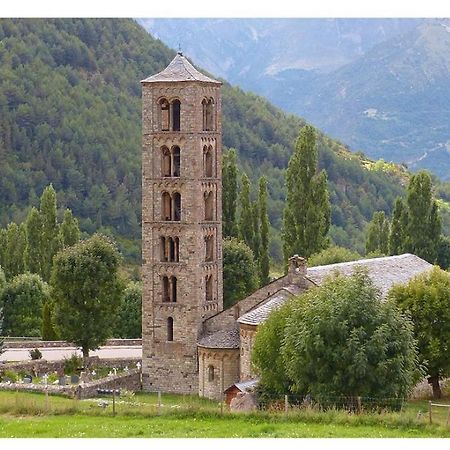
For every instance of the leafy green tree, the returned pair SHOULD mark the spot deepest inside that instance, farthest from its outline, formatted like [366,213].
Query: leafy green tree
[50,230]
[443,253]
[3,247]
[427,298]
[48,330]
[129,317]
[229,193]
[332,255]
[377,239]
[246,231]
[424,224]
[2,280]
[240,274]
[264,262]
[86,292]
[307,211]
[398,228]
[33,251]
[340,339]
[22,301]
[69,230]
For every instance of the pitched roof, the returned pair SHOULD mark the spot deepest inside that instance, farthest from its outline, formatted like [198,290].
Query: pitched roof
[384,272]
[244,386]
[261,313]
[221,339]
[179,69]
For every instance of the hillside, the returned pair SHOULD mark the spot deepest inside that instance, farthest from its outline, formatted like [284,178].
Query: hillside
[70,115]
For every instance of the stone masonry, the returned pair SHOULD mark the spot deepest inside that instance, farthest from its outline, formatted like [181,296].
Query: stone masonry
[181,222]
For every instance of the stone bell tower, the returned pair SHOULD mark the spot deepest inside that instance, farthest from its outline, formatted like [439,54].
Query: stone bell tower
[181,221]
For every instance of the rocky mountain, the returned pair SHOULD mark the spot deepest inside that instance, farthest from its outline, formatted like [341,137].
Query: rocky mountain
[380,85]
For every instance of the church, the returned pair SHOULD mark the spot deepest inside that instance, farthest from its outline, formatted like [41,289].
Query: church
[190,344]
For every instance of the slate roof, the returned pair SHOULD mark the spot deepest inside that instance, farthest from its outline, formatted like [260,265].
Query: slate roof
[384,272]
[179,69]
[221,339]
[261,313]
[245,386]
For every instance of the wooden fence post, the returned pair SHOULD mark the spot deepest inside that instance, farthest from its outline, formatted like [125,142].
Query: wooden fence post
[286,404]
[159,402]
[429,410]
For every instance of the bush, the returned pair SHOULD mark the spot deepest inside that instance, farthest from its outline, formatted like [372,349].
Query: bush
[72,364]
[35,354]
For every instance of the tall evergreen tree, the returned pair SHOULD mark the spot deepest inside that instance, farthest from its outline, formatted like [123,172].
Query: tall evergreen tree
[264,263]
[33,251]
[229,193]
[15,247]
[3,244]
[50,233]
[48,330]
[397,233]
[307,212]
[245,219]
[424,224]
[69,230]
[256,231]
[378,234]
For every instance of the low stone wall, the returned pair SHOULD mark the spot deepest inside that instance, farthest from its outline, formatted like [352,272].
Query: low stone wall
[130,381]
[41,366]
[53,344]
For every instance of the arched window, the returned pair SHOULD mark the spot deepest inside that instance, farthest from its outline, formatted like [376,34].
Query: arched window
[164,114]
[166,166]
[173,282]
[170,328]
[210,373]
[163,248]
[204,111]
[176,206]
[176,115]
[208,161]
[210,115]
[209,254]
[209,288]
[176,161]
[209,206]
[166,206]
[165,289]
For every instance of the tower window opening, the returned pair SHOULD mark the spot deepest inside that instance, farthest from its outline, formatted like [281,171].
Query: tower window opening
[169,289]
[209,254]
[164,114]
[176,161]
[210,373]
[170,328]
[209,288]
[209,206]
[176,115]
[163,248]
[166,206]
[208,161]
[166,162]
[176,203]
[208,114]
[174,288]
[204,109]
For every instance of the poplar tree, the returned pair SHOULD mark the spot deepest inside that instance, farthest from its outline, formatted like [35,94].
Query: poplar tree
[50,232]
[398,228]
[229,194]
[33,251]
[246,232]
[256,247]
[424,224]
[48,331]
[264,263]
[69,230]
[378,234]
[306,218]
[3,244]
[15,247]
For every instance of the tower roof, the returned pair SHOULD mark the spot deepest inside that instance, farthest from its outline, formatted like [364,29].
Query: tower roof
[179,69]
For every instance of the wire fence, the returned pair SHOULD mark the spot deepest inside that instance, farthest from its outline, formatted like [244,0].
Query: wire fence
[287,402]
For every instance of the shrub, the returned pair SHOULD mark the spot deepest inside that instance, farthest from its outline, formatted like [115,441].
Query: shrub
[35,354]
[72,364]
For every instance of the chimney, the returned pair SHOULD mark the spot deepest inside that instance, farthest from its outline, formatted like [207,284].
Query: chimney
[297,270]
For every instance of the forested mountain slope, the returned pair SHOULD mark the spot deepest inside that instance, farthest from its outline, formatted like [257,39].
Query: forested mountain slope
[70,115]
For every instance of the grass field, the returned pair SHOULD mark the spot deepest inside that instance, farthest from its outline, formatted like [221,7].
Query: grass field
[28,415]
